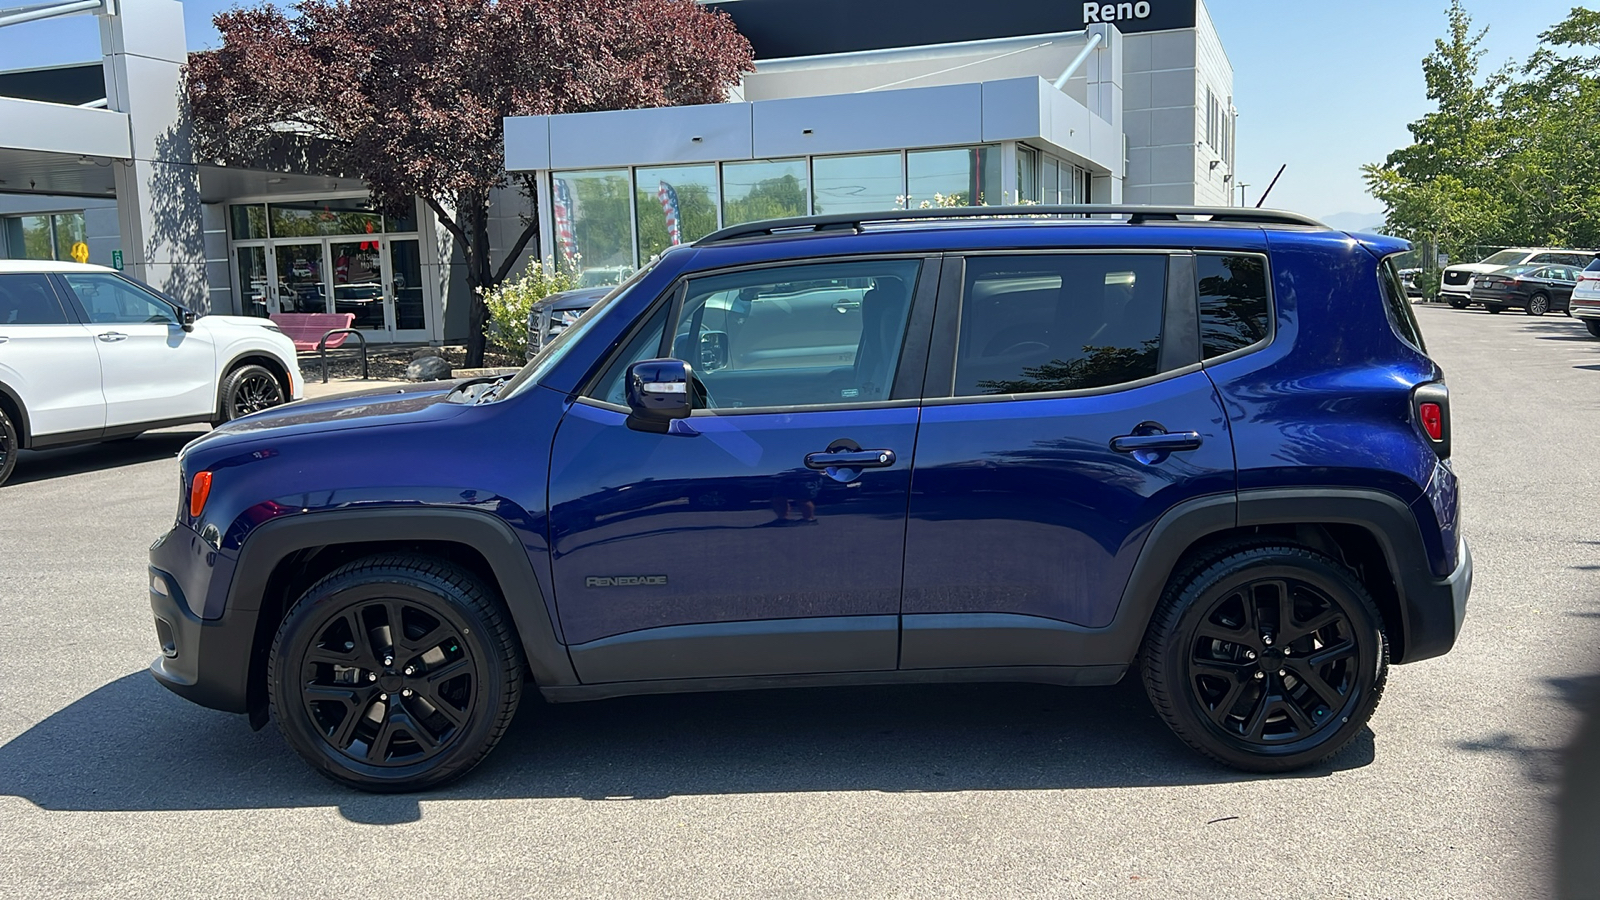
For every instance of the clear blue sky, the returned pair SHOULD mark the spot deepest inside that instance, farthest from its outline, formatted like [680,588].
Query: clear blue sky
[1323,86]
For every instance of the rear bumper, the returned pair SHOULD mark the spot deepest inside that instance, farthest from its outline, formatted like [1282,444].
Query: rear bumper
[1435,611]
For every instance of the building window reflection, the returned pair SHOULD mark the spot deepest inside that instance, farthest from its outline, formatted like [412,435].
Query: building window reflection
[864,183]
[593,225]
[675,205]
[764,189]
[967,176]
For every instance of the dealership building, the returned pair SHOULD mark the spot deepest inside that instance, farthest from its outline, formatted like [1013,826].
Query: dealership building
[854,105]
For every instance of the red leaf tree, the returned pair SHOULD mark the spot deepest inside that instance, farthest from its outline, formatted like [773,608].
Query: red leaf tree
[409,94]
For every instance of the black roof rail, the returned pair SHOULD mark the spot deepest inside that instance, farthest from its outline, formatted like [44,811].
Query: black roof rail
[1137,215]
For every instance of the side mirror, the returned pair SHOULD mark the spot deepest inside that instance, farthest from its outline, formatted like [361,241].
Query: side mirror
[658,392]
[188,318]
[714,350]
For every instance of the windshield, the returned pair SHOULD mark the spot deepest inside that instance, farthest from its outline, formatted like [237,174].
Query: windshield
[1505,258]
[554,351]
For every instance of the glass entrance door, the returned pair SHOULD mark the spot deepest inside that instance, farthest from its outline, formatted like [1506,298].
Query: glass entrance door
[255,284]
[358,283]
[302,283]
[405,282]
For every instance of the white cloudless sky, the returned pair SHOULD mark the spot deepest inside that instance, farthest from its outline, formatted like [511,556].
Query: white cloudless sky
[1322,85]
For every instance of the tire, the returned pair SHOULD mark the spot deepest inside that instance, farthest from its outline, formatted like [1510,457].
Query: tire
[1250,702]
[10,446]
[1460,304]
[1593,325]
[246,390]
[444,695]
[1538,305]
[1494,310]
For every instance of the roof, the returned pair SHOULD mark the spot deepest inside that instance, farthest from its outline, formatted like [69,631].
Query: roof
[34,266]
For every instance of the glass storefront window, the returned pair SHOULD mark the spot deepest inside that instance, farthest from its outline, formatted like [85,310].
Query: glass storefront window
[688,192]
[849,184]
[764,189]
[47,236]
[248,221]
[1052,182]
[315,218]
[967,176]
[402,223]
[1027,174]
[594,226]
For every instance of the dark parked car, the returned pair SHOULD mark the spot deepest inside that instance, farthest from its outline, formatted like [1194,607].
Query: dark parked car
[1204,447]
[1536,289]
[551,316]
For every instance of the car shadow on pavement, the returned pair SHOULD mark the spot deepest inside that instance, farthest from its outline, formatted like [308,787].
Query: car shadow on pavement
[132,746]
[42,465]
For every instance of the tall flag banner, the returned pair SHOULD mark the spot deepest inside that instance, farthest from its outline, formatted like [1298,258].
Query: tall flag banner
[669,205]
[563,212]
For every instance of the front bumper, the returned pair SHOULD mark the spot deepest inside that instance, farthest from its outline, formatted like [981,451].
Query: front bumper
[206,661]
[1436,612]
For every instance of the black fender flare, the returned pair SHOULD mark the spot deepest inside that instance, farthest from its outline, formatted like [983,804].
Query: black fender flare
[483,532]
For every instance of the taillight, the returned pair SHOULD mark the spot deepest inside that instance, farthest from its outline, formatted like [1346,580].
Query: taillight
[1589,276]
[199,492]
[1431,404]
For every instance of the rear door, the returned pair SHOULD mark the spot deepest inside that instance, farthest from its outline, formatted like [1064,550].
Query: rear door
[1066,411]
[154,370]
[48,359]
[731,545]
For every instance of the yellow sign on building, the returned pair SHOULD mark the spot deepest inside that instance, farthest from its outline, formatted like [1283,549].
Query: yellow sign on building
[80,252]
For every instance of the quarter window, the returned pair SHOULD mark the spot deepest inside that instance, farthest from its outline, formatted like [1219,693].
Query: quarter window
[29,300]
[797,335]
[110,299]
[1234,310]
[1031,324]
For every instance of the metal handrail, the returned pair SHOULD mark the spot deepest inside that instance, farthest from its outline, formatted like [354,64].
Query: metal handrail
[1137,215]
[322,350]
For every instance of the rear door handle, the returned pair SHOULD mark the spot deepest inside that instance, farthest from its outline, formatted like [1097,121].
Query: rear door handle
[1165,443]
[3,339]
[850,459]
[112,337]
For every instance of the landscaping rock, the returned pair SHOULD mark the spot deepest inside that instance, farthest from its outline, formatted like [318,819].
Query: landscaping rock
[425,352]
[428,368]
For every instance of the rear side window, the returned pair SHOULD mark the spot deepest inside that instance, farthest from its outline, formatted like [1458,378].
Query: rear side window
[1594,265]
[1394,296]
[1031,324]
[29,300]
[1235,311]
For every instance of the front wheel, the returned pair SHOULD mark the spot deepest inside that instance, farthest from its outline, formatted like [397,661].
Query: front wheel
[10,444]
[1538,305]
[249,389]
[1593,325]
[395,674]
[1494,310]
[1268,659]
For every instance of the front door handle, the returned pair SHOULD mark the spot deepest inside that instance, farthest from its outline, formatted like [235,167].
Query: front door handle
[3,339]
[1160,443]
[112,337]
[850,459]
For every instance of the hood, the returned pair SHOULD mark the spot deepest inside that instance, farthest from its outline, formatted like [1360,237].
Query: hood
[235,322]
[1474,268]
[430,401]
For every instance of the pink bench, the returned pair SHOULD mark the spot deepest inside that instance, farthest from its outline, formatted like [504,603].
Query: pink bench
[320,332]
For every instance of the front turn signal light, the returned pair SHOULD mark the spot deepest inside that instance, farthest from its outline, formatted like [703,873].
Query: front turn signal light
[199,491]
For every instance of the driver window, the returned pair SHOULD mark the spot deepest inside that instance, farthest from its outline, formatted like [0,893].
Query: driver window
[109,299]
[797,335]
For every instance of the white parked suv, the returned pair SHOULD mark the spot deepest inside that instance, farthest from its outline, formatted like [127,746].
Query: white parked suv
[88,355]
[1585,303]
[1455,285]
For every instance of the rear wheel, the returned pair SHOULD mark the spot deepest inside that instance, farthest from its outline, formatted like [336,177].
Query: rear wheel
[1538,304]
[395,674]
[1495,310]
[249,389]
[1593,325]
[10,444]
[1459,304]
[1268,659]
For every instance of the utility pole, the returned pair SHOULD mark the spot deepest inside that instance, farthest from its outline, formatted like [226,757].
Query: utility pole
[1242,186]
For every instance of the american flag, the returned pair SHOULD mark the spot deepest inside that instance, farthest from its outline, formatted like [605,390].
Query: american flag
[563,211]
[669,205]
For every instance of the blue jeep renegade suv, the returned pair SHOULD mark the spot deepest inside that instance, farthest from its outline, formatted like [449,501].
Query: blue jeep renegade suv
[987,445]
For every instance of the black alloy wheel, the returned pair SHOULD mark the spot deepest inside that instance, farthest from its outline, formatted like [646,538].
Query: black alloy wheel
[1269,659]
[1538,304]
[395,674]
[249,389]
[10,444]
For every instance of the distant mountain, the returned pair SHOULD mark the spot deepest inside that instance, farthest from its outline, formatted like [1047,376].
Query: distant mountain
[1349,221]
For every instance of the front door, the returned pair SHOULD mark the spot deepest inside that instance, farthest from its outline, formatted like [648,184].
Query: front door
[358,283]
[153,370]
[1074,416]
[302,285]
[731,546]
[49,359]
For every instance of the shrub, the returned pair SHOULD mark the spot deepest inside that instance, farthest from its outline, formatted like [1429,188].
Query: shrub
[508,304]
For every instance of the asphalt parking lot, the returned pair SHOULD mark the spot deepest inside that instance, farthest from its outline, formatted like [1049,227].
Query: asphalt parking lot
[111,787]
